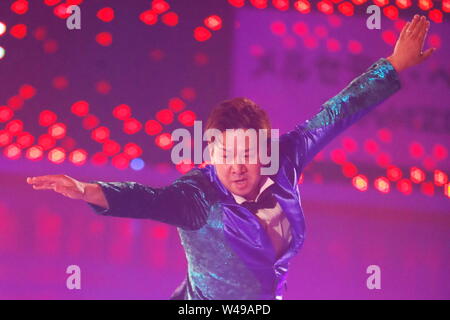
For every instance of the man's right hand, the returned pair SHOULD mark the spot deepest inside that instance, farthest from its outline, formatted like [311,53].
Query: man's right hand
[62,184]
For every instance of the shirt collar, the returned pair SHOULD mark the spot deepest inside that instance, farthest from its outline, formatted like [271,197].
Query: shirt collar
[241,200]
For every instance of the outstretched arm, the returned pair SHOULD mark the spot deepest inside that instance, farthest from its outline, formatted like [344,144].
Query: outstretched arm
[361,96]
[182,203]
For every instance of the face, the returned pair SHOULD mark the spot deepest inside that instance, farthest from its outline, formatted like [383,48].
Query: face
[237,163]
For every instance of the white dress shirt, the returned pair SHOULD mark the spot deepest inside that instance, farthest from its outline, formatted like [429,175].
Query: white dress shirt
[273,221]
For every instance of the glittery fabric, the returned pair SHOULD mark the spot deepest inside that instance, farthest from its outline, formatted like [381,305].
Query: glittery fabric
[229,254]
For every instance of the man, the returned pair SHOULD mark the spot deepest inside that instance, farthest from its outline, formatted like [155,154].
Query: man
[239,228]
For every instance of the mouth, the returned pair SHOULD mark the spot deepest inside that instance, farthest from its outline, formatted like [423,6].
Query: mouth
[240,183]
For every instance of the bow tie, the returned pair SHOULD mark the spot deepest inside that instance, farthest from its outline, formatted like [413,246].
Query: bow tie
[265,201]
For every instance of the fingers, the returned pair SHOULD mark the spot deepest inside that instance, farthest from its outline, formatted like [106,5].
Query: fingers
[405,28]
[43,179]
[428,53]
[413,25]
[420,28]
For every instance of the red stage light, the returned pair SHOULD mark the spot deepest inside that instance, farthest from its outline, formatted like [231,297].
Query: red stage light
[27,91]
[160,232]
[381,3]
[403,4]
[14,126]
[354,46]
[58,130]
[60,83]
[176,104]
[425,4]
[416,150]
[383,159]
[321,31]
[417,175]
[12,151]
[188,94]
[201,59]
[51,2]
[132,150]
[46,141]
[440,152]
[440,177]
[50,46]
[278,28]
[185,166]
[99,159]
[164,141]
[446,5]
[349,144]
[153,127]
[80,108]
[338,156]
[15,102]
[404,186]
[310,42]
[19,6]
[68,143]
[237,3]
[427,188]
[61,11]
[106,14]
[187,118]
[385,135]
[282,5]
[34,153]
[57,155]
[111,147]
[160,6]
[360,182]
[303,6]
[214,22]
[122,112]
[325,6]
[389,37]
[346,8]
[6,113]
[394,173]
[349,170]
[391,12]
[382,184]
[428,163]
[371,146]
[104,39]
[74,2]
[90,122]
[120,161]
[202,34]
[333,45]
[103,87]
[78,157]
[100,134]
[131,126]
[260,4]
[436,15]
[24,139]
[149,17]
[170,18]
[300,29]
[5,138]
[18,31]
[434,40]
[165,116]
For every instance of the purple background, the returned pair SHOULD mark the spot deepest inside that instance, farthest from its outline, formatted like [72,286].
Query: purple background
[41,233]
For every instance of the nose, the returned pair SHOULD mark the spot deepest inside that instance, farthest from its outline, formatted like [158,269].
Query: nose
[237,168]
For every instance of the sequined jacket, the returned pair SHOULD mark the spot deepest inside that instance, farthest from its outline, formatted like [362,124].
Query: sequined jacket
[229,255]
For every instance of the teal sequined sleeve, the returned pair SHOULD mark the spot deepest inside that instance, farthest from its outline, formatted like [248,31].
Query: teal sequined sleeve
[362,95]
